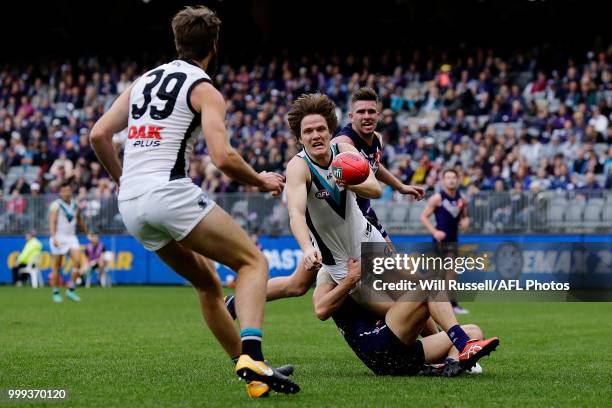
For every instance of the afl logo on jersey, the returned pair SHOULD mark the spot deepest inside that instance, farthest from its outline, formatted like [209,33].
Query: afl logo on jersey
[322,194]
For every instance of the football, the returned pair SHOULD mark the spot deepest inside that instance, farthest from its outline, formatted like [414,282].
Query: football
[350,167]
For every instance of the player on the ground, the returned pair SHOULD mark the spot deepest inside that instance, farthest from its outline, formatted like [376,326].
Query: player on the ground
[450,210]
[63,217]
[388,343]
[167,213]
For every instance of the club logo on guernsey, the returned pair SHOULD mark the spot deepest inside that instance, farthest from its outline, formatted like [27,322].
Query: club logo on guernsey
[146,136]
[337,172]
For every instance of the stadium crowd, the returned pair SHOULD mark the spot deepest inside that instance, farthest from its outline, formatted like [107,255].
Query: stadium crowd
[505,124]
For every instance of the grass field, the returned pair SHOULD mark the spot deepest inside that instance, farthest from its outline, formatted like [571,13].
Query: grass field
[147,346]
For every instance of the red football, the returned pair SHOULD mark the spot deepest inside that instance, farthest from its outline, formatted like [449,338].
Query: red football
[351,167]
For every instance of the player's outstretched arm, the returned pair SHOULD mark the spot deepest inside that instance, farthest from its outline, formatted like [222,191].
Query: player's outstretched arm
[369,188]
[396,184]
[207,100]
[101,137]
[297,179]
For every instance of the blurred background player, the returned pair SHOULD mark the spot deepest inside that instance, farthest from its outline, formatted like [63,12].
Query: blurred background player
[450,211]
[165,111]
[30,253]
[94,252]
[63,217]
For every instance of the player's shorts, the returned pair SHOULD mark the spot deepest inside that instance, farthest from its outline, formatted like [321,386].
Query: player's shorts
[339,271]
[383,353]
[372,218]
[165,213]
[64,244]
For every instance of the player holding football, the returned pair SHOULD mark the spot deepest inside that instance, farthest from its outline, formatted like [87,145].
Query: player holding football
[364,116]
[165,111]
[329,227]
[63,217]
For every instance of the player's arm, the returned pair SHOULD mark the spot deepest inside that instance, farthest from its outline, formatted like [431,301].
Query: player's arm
[82,224]
[396,184]
[343,139]
[206,99]
[434,202]
[369,188]
[53,222]
[101,137]
[464,222]
[297,180]
[328,297]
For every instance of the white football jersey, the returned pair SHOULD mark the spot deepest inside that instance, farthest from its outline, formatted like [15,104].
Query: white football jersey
[66,217]
[162,127]
[337,225]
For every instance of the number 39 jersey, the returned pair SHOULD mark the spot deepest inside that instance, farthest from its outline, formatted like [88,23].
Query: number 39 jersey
[162,127]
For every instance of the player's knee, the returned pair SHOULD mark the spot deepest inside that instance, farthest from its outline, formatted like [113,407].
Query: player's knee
[258,261]
[473,331]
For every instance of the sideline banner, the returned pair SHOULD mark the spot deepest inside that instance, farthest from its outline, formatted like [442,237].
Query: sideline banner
[130,263]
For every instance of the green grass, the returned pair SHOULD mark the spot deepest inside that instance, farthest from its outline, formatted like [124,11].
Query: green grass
[147,346]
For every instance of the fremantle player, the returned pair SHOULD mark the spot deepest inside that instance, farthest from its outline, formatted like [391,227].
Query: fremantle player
[387,343]
[63,217]
[364,116]
[450,211]
[165,111]
[330,227]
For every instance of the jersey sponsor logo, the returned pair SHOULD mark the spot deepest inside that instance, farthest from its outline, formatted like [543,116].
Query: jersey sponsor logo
[322,194]
[146,136]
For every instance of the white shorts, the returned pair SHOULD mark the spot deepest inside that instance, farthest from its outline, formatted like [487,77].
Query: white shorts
[64,244]
[166,213]
[339,271]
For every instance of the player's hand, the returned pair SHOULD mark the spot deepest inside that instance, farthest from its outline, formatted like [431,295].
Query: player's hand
[354,271]
[312,259]
[341,183]
[464,224]
[272,182]
[439,235]
[54,242]
[415,191]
